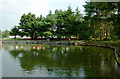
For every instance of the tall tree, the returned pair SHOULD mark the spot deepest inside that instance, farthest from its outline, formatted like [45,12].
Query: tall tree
[28,25]
[76,22]
[85,31]
[14,31]
[116,20]
[5,34]
[42,26]
[99,16]
[68,21]
[59,27]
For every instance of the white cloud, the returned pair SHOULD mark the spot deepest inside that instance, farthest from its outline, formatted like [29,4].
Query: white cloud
[12,10]
[66,0]
[25,6]
[40,7]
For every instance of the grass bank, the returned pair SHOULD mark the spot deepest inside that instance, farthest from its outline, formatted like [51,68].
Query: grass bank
[11,39]
[108,43]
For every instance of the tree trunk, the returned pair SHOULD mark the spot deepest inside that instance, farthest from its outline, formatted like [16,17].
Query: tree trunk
[58,37]
[15,36]
[94,33]
[101,34]
[106,35]
[61,37]
[100,37]
[41,37]
[106,32]
[31,36]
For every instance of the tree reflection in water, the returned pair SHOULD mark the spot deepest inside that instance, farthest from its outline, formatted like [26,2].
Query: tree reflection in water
[66,60]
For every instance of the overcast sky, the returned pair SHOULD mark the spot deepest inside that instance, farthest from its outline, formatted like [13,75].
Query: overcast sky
[12,10]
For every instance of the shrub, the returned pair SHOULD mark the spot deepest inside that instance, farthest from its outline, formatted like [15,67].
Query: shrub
[106,39]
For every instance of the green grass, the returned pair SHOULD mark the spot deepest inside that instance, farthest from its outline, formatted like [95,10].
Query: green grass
[111,43]
[11,39]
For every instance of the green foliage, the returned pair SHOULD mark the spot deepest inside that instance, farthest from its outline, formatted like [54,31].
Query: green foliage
[85,31]
[14,31]
[68,22]
[28,25]
[106,39]
[47,34]
[116,20]
[102,17]
[5,34]
[101,22]
[34,27]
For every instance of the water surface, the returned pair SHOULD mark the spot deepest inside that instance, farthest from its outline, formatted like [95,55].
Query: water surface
[58,61]
[0,62]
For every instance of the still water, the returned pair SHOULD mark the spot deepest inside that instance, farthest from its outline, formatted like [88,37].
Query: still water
[58,61]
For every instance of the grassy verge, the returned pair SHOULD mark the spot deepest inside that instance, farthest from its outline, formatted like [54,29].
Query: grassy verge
[110,43]
[11,39]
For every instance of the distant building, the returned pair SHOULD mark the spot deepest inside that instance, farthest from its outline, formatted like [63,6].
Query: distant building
[12,37]
[25,37]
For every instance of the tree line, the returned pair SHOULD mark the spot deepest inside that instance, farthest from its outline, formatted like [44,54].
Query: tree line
[104,19]
[100,22]
[4,34]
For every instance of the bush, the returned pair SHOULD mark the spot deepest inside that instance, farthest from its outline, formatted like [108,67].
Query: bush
[114,38]
[106,39]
